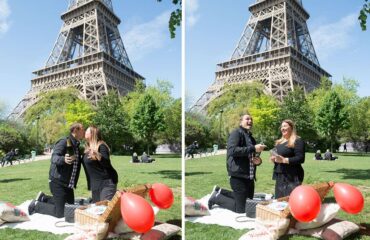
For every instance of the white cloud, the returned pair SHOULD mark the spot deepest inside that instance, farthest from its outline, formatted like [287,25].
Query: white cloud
[192,15]
[143,38]
[4,14]
[330,38]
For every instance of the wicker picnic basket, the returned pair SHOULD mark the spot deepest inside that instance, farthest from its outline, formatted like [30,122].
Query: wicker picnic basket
[265,213]
[113,212]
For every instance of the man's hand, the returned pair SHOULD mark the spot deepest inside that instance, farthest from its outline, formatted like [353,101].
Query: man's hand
[69,159]
[259,147]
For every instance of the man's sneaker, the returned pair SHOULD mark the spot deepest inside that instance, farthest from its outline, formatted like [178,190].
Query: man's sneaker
[40,197]
[215,192]
[31,207]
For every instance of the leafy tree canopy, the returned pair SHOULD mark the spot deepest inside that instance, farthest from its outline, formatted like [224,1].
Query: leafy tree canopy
[264,111]
[363,14]
[175,19]
[112,121]
[331,117]
[147,119]
[235,100]
[80,111]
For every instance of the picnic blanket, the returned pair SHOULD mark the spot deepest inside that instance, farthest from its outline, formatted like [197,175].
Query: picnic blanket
[223,217]
[41,222]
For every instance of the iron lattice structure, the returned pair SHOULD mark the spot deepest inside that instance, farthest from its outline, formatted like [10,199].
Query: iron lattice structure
[275,48]
[88,55]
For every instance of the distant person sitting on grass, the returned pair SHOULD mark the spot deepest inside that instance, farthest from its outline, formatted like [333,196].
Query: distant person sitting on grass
[145,158]
[318,155]
[135,158]
[329,156]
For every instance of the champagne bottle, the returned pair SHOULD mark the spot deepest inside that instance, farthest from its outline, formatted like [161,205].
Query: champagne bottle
[70,150]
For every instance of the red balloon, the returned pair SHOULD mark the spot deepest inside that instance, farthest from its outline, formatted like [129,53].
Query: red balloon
[349,198]
[161,195]
[304,203]
[137,212]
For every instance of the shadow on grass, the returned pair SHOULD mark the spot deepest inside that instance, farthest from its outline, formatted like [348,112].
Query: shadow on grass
[353,173]
[173,174]
[196,173]
[13,180]
[352,154]
[167,156]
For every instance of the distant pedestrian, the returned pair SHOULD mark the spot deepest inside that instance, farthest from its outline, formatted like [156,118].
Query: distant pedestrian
[345,147]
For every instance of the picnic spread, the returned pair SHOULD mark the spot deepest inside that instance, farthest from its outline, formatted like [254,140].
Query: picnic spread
[128,215]
[301,213]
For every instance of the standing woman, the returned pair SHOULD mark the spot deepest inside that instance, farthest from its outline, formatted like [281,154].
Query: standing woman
[103,177]
[288,171]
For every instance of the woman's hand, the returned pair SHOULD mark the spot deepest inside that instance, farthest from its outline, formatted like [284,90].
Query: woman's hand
[281,159]
[272,159]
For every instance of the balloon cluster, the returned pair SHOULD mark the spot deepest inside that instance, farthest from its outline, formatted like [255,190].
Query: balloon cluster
[138,214]
[305,202]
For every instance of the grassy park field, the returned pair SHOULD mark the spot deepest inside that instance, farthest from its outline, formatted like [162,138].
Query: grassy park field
[202,174]
[21,182]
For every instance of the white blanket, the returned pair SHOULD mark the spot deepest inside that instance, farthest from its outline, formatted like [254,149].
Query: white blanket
[40,222]
[223,217]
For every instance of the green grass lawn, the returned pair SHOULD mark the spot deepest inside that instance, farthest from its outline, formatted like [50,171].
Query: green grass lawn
[21,182]
[202,174]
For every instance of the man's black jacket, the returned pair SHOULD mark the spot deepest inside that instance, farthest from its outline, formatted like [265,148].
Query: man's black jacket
[240,147]
[61,172]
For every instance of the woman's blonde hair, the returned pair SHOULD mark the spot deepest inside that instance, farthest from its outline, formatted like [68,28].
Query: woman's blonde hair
[93,144]
[292,137]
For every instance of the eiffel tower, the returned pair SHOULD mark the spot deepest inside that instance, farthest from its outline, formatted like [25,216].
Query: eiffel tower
[88,55]
[275,48]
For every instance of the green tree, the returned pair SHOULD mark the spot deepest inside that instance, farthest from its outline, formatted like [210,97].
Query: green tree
[147,120]
[198,128]
[46,118]
[359,129]
[10,137]
[168,106]
[363,14]
[235,100]
[296,108]
[331,117]
[51,128]
[172,123]
[175,18]
[111,119]
[50,103]
[2,110]
[316,98]
[264,111]
[80,111]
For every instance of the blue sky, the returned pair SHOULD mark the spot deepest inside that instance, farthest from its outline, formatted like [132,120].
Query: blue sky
[28,30]
[213,29]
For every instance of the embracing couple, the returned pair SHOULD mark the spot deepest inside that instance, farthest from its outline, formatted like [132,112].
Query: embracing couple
[65,167]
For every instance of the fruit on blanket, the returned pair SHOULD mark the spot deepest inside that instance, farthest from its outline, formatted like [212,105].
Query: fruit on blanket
[304,203]
[349,198]
[136,212]
[161,195]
